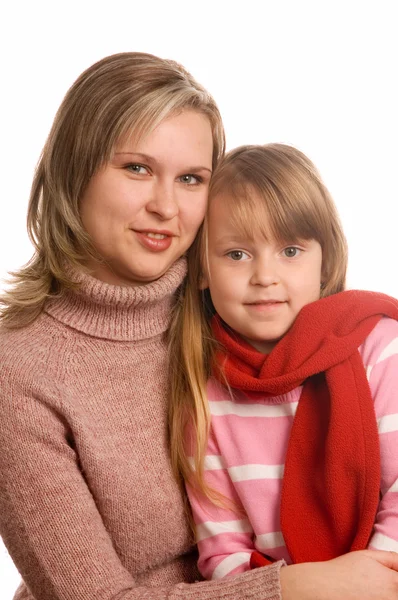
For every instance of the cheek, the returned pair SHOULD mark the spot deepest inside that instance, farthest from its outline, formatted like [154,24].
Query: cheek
[94,218]
[192,219]
[223,291]
[92,206]
[100,219]
[305,289]
[314,290]
[195,208]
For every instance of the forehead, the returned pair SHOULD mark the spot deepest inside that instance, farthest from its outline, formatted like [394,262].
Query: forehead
[184,137]
[238,217]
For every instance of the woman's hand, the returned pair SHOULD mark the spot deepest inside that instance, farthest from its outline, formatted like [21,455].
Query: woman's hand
[362,575]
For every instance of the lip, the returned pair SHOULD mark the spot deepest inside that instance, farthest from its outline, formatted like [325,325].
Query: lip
[161,231]
[265,305]
[266,301]
[153,244]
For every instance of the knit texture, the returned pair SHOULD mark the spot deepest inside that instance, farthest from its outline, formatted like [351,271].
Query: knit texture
[89,508]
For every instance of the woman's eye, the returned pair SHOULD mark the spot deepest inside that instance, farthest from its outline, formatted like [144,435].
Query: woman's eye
[138,169]
[190,179]
[237,255]
[291,251]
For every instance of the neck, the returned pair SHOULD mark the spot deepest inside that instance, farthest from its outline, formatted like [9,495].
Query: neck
[118,312]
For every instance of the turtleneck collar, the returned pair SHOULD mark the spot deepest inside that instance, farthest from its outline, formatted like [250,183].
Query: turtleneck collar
[119,312]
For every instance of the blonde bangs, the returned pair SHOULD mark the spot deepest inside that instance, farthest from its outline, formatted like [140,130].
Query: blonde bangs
[262,212]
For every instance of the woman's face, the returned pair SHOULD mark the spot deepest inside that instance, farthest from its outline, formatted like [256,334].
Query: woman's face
[142,209]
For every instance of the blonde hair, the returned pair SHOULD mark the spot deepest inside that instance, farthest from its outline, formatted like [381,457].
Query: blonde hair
[122,95]
[280,183]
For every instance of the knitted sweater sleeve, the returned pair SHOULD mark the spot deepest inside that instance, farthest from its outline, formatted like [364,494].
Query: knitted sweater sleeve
[380,356]
[52,528]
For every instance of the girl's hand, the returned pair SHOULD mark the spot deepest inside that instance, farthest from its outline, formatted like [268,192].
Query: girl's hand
[362,575]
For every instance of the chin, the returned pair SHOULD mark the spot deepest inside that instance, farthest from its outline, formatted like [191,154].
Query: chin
[148,276]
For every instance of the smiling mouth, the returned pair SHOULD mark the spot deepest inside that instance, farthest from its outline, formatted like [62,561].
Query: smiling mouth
[155,241]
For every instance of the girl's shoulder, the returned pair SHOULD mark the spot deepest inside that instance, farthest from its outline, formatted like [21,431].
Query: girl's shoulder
[381,343]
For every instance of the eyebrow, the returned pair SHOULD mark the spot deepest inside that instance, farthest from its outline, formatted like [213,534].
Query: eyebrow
[147,158]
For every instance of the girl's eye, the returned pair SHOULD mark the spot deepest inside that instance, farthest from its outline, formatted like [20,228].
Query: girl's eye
[237,255]
[291,251]
[137,169]
[190,179]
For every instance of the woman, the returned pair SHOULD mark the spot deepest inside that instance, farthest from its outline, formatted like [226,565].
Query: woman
[89,508]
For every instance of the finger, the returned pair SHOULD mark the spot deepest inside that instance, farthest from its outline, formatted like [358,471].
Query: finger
[387,558]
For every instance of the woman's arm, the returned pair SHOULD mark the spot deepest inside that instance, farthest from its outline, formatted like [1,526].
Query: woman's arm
[52,527]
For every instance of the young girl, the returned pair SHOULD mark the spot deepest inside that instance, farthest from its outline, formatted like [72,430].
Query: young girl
[301,460]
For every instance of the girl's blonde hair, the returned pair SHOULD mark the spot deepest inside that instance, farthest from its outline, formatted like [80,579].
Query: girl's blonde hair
[122,95]
[276,185]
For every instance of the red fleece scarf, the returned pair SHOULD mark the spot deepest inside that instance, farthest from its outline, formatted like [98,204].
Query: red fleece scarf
[331,483]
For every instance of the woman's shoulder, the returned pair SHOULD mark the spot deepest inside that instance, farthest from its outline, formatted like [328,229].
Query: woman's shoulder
[25,352]
[40,329]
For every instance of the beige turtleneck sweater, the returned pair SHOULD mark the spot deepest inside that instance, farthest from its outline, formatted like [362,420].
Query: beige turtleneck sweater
[89,509]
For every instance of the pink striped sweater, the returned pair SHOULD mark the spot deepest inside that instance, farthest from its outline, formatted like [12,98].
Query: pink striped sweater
[245,462]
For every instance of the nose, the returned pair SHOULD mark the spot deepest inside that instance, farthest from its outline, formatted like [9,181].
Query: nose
[163,201]
[265,272]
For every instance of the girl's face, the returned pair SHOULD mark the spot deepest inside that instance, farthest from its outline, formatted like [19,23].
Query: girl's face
[258,286]
[142,209]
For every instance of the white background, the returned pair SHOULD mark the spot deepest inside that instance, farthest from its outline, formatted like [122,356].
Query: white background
[320,75]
